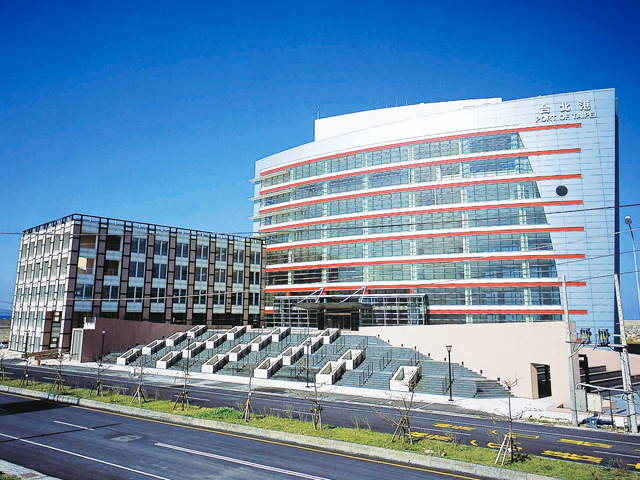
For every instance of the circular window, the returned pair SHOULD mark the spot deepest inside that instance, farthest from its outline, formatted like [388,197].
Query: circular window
[562,191]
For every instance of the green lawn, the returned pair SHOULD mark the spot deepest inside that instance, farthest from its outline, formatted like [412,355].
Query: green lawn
[446,447]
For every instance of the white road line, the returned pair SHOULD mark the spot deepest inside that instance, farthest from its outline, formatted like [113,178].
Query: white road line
[613,454]
[72,425]
[84,457]
[242,462]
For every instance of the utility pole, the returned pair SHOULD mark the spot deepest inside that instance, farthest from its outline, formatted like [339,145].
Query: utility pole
[572,370]
[624,361]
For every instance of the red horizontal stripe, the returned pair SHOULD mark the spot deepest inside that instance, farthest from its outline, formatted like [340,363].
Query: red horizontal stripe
[477,258]
[402,166]
[509,312]
[323,220]
[360,239]
[418,188]
[415,142]
[293,288]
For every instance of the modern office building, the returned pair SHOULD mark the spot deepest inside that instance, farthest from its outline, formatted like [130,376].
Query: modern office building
[447,213]
[81,267]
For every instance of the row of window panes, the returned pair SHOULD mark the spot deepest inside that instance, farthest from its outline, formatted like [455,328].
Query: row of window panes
[431,173]
[448,319]
[411,223]
[31,295]
[534,268]
[427,149]
[51,243]
[421,246]
[39,270]
[430,197]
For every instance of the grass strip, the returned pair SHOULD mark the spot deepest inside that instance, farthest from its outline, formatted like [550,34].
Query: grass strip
[446,445]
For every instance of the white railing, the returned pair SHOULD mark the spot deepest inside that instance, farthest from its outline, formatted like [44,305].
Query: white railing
[153,347]
[169,359]
[194,349]
[128,356]
[352,358]
[196,331]
[405,378]
[215,363]
[176,338]
[268,367]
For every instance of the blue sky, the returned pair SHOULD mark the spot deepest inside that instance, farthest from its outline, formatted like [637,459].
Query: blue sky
[157,111]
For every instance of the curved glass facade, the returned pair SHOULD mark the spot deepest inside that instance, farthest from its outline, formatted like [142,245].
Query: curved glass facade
[476,210]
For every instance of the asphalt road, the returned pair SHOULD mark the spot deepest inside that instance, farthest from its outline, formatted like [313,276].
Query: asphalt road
[79,443]
[433,421]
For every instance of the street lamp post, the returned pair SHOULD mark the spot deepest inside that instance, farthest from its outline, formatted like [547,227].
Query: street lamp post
[628,221]
[450,379]
[104,332]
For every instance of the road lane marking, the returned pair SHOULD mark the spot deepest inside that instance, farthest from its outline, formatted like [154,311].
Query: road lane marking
[617,454]
[453,427]
[584,443]
[242,462]
[72,425]
[573,456]
[516,434]
[431,436]
[84,457]
[274,442]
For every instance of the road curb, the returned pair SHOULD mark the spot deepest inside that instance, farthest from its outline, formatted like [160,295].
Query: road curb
[346,448]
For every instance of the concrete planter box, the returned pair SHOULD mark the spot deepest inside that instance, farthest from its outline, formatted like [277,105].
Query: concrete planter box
[192,350]
[129,356]
[215,340]
[352,358]
[196,331]
[176,338]
[312,344]
[404,377]
[291,355]
[153,347]
[169,359]
[236,332]
[260,342]
[330,373]
[268,367]
[279,334]
[329,335]
[239,351]
[215,363]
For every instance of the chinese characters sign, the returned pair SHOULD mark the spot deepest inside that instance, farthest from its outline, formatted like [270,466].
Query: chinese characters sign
[579,110]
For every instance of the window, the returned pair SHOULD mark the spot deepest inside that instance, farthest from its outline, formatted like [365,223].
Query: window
[161,247]
[87,240]
[201,274]
[138,245]
[238,256]
[84,292]
[159,270]
[111,267]
[182,250]
[200,297]
[180,296]
[255,258]
[114,243]
[255,278]
[236,298]
[111,292]
[60,292]
[220,275]
[218,298]
[238,276]
[254,298]
[221,254]
[158,295]
[182,271]
[202,252]
[136,269]
[134,294]
[54,267]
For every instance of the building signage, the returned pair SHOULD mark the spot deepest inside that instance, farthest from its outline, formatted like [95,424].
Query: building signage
[567,111]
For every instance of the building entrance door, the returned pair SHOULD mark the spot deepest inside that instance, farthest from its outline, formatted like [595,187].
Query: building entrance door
[338,320]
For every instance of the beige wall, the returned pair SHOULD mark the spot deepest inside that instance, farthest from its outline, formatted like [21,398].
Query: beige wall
[504,350]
